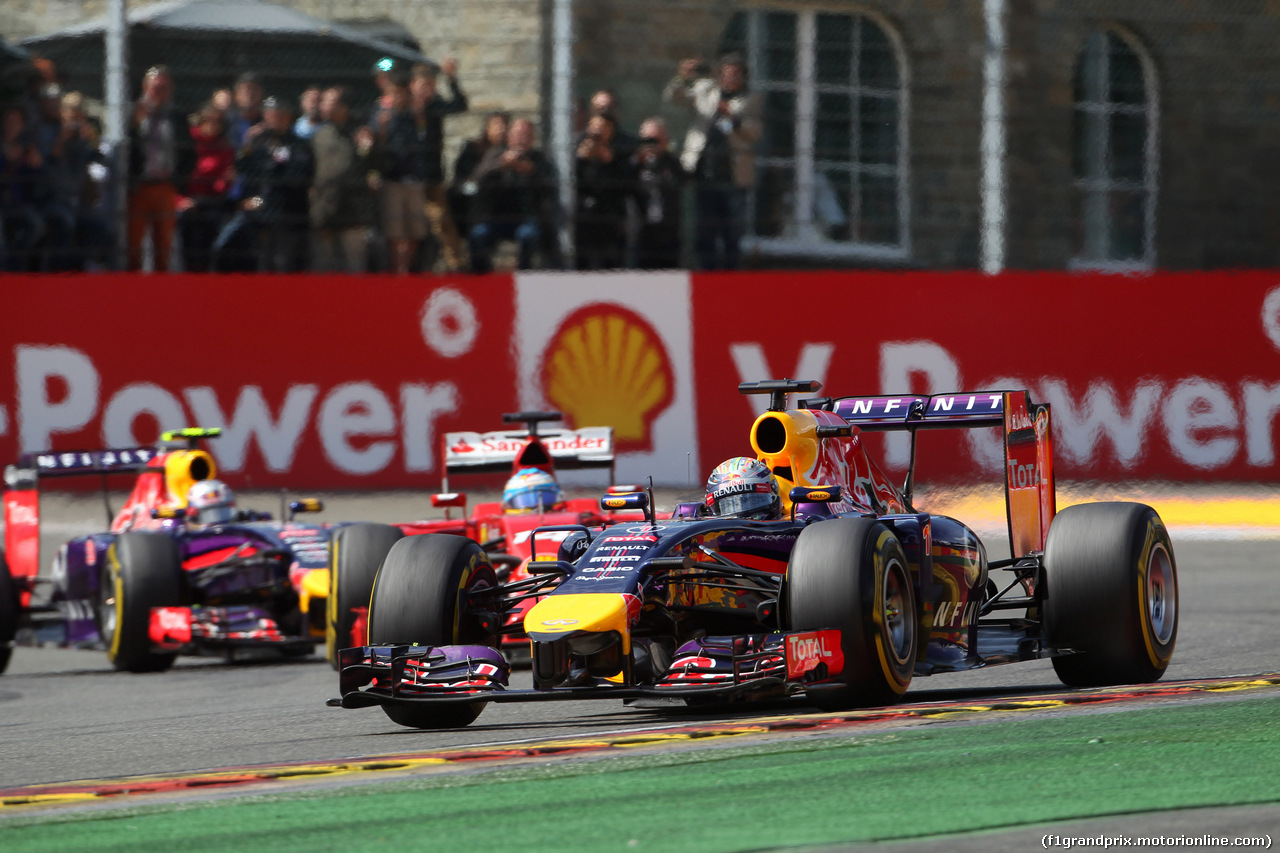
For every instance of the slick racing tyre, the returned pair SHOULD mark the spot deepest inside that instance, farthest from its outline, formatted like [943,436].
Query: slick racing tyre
[142,571]
[421,595]
[8,613]
[355,553]
[851,574]
[1111,594]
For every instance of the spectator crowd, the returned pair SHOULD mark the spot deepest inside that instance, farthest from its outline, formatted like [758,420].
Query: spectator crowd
[254,182]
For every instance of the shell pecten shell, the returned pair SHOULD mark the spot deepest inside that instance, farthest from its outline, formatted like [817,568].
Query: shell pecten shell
[606,366]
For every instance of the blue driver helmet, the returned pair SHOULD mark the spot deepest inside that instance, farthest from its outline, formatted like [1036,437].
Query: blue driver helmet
[743,487]
[530,488]
[213,502]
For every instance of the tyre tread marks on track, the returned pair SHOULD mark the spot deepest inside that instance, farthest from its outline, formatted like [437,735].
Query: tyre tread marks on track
[87,791]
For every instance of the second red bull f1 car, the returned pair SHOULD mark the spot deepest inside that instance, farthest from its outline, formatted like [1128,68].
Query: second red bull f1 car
[163,577]
[845,598]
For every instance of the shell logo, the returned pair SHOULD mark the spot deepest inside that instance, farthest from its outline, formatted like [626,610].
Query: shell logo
[606,366]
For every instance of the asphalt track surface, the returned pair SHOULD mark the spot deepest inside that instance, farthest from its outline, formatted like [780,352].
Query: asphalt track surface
[64,715]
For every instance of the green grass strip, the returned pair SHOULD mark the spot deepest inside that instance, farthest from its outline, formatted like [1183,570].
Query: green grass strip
[918,782]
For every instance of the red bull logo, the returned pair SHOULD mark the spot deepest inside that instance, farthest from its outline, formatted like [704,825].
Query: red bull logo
[606,366]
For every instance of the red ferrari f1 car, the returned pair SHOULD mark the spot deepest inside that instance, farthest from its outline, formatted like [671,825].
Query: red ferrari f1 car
[845,597]
[503,530]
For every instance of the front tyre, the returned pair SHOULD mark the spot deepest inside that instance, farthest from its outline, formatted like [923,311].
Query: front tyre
[423,595]
[851,574]
[142,571]
[355,553]
[1111,594]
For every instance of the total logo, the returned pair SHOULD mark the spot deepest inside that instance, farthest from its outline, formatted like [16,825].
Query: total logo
[807,647]
[1023,476]
[806,651]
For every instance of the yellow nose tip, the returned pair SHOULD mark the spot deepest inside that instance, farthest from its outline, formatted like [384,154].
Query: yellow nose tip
[557,615]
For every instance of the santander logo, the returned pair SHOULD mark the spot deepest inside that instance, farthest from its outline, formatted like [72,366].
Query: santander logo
[607,366]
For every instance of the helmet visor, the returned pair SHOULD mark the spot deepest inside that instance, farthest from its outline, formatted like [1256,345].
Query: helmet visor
[532,499]
[214,514]
[745,505]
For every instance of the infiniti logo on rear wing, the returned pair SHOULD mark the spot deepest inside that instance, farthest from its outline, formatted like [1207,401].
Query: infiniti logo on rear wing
[916,411]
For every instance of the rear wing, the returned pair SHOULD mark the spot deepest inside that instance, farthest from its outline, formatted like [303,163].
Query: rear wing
[912,412]
[22,485]
[33,466]
[1030,501]
[565,449]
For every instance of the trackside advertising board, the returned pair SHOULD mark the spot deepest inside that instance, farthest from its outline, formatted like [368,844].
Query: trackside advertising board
[323,382]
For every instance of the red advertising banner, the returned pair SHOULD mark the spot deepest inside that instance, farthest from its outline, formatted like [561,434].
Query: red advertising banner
[1171,376]
[316,382]
[335,382]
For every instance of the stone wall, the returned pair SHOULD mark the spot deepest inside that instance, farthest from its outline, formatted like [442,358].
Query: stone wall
[498,45]
[1217,74]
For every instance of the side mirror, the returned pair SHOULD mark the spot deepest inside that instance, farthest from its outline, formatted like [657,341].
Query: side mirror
[630,500]
[814,494]
[450,499]
[305,505]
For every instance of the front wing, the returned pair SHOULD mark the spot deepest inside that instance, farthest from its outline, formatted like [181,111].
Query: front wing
[733,667]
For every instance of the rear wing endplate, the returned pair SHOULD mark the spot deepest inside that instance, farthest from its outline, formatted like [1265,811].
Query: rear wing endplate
[1030,501]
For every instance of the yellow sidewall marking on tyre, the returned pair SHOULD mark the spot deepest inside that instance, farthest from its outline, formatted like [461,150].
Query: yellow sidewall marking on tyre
[117,584]
[477,559]
[1144,605]
[331,606]
[877,616]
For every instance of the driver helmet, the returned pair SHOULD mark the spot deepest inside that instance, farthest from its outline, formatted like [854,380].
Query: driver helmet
[213,502]
[743,487]
[530,488]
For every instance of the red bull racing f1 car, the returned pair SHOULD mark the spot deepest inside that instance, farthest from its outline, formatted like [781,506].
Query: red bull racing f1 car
[159,581]
[844,599]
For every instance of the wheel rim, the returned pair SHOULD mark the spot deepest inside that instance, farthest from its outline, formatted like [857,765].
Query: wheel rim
[1162,595]
[107,607]
[896,625]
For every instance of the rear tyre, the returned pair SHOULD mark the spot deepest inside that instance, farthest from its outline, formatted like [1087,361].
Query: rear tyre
[851,574]
[355,553]
[1111,594]
[142,571]
[421,596]
[8,614]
